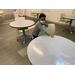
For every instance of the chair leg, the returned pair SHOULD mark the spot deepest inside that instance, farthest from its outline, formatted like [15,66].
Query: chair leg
[1,20]
[18,35]
[65,28]
[31,37]
[28,31]
[29,34]
[24,36]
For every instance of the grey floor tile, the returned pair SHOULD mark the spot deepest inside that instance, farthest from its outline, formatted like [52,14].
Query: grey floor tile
[13,52]
[23,52]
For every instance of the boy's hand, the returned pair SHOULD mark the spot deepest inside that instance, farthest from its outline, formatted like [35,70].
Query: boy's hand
[51,35]
[46,25]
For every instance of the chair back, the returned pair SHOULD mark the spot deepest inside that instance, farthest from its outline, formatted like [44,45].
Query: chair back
[21,12]
[50,29]
[61,15]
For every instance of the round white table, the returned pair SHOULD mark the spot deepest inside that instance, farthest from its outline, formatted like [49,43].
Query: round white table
[22,24]
[46,50]
[71,18]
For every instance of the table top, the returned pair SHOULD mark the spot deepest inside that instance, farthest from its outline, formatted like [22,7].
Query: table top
[69,17]
[46,50]
[21,23]
[1,12]
[37,12]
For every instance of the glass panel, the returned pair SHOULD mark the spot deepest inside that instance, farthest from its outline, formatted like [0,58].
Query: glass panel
[73,11]
[46,9]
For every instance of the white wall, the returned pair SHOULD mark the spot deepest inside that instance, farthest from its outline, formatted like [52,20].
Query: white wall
[52,15]
[7,11]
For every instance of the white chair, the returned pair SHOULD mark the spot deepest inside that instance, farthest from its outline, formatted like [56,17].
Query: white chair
[1,16]
[50,29]
[17,13]
[62,19]
[21,12]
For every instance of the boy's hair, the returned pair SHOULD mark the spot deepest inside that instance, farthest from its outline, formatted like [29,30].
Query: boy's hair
[42,15]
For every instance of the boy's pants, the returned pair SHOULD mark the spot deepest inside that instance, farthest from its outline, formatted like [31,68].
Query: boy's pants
[34,36]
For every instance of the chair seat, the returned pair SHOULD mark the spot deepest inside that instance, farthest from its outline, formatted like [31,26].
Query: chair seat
[31,27]
[21,28]
[19,18]
[1,15]
[33,14]
[63,20]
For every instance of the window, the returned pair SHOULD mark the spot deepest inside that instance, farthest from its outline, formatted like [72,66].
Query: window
[46,9]
[73,11]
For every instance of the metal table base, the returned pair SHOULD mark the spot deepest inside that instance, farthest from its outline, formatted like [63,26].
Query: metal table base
[71,30]
[25,36]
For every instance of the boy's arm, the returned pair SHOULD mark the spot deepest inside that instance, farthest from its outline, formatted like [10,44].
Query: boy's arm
[46,24]
[45,31]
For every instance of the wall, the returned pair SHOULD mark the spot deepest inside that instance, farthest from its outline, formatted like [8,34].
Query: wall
[7,11]
[52,15]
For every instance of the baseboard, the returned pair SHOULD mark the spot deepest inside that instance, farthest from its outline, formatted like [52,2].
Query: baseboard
[30,17]
[57,23]
[46,20]
[9,16]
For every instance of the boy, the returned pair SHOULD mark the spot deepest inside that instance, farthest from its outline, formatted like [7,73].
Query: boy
[39,27]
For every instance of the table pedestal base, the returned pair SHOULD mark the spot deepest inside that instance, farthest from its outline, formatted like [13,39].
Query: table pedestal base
[71,30]
[27,37]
